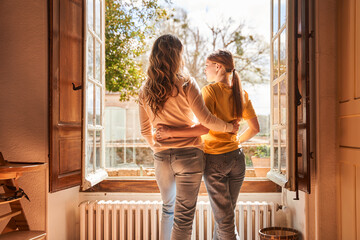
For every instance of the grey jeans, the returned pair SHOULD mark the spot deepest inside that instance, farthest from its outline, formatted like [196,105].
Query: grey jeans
[178,174]
[224,175]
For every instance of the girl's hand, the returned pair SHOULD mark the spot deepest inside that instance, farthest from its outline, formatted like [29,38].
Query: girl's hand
[162,132]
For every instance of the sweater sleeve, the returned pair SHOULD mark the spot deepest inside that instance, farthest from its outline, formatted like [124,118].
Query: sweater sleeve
[202,113]
[145,124]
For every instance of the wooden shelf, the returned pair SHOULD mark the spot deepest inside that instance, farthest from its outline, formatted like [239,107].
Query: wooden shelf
[23,235]
[17,226]
[10,201]
[11,170]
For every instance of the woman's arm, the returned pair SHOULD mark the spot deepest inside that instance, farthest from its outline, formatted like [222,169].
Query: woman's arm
[145,125]
[164,132]
[203,114]
[252,129]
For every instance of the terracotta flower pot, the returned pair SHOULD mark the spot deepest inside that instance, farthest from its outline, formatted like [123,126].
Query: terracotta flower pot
[261,165]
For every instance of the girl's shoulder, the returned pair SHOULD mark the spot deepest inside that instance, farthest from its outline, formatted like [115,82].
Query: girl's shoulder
[210,90]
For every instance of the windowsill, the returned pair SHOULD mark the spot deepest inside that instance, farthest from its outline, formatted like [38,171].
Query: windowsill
[148,185]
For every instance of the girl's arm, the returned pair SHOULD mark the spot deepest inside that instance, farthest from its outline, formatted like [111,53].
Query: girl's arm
[164,132]
[252,129]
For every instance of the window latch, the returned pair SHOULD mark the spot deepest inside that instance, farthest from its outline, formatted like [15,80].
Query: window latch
[76,88]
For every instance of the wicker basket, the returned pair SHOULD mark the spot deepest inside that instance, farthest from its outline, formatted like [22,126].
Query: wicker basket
[275,233]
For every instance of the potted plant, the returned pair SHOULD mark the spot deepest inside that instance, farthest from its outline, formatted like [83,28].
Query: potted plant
[261,160]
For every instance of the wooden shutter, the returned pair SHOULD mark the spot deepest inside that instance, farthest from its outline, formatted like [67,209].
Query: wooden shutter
[66,69]
[303,89]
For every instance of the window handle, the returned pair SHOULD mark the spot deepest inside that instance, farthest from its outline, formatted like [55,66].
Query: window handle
[76,88]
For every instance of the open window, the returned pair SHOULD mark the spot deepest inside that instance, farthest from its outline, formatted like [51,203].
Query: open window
[93,157]
[291,94]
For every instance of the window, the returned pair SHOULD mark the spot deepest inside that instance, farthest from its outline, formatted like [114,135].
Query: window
[279,93]
[94,76]
[291,83]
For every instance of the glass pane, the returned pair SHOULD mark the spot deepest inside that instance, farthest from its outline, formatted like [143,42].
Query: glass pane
[283,102]
[98,149]
[90,14]
[275,16]
[90,58]
[90,152]
[114,155]
[275,104]
[97,61]
[97,17]
[275,59]
[276,152]
[283,52]
[90,103]
[98,105]
[283,151]
[130,153]
[282,12]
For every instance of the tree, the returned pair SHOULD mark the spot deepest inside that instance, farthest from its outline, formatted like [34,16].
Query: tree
[128,24]
[249,50]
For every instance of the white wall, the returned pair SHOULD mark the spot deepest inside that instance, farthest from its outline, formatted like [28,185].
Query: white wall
[63,220]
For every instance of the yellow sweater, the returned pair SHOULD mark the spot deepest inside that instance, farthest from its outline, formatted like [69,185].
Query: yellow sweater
[218,98]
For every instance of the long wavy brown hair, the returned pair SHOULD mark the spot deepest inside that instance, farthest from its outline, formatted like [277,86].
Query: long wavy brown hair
[225,58]
[166,64]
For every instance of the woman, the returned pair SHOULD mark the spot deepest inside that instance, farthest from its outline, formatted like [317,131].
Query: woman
[225,162]
[169,97]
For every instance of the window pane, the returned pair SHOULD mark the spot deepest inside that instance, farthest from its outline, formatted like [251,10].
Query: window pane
[127,153]
[98,149]
[283,102]
[90,58]
[283,151]
[276,152]
[90,152]
[275,59]
[275,104]
[90,14]
[90,103]
[97,60]
[98,105]
[97,16]
[282,12]
[283,52]
[275,16]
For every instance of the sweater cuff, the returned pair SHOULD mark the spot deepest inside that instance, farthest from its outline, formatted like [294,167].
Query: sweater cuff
[229,127]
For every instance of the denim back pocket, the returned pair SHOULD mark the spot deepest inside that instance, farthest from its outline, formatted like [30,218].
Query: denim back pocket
[159,157]
[186,156]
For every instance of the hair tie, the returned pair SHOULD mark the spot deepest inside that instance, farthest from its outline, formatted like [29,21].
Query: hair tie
[234,70]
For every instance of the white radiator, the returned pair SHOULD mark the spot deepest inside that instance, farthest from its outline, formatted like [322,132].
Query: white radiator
[130,220]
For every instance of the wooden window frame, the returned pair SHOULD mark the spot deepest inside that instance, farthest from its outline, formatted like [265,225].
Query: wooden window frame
[73,178]
[150,186]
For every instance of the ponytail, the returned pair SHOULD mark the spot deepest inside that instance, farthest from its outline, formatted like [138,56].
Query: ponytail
[238,95]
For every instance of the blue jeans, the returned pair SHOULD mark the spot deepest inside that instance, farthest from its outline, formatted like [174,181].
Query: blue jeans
[178,174]
[224,175]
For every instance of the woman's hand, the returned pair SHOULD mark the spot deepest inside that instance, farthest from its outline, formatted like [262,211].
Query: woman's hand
[162,132]
[236,126]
